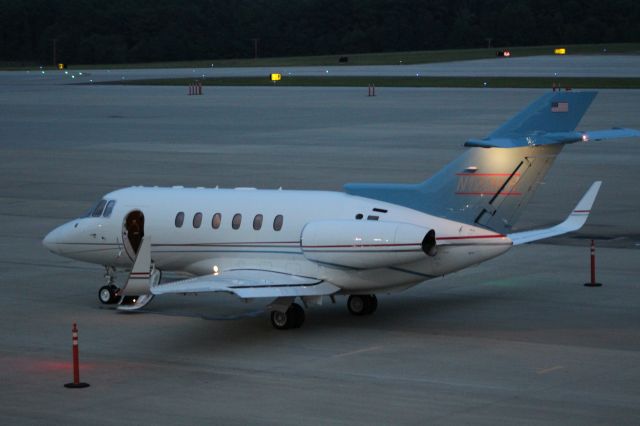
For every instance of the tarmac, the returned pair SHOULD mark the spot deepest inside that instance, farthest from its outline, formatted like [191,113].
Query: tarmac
[517,340]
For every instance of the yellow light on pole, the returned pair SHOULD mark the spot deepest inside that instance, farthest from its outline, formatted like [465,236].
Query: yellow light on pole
[61,66]
[560,51]
[276,77]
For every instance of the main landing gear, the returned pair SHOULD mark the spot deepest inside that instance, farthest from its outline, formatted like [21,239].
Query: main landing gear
[286,315]
[292,318]
[364,304]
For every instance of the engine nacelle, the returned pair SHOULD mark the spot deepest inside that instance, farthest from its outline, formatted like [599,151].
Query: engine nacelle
[366,244]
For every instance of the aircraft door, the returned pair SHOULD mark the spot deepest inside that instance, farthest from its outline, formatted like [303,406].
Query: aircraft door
[132,233]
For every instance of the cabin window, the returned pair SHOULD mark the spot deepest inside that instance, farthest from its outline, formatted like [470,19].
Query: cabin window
[379,210]
[277,222]
[197,220]
[257,222]
[179,219]
[215,221]
[359,216]
[236,221]
[109,208]
[97,211]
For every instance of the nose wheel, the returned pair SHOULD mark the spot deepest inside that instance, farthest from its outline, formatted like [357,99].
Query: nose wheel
[362,304]
[108,294]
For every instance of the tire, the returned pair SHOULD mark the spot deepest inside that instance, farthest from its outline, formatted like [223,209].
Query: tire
[373,304]
[362,304]
[293,318]
[297,314]
[357,304]
[107,294]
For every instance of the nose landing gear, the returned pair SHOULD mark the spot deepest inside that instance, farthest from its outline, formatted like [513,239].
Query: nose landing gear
[108,294]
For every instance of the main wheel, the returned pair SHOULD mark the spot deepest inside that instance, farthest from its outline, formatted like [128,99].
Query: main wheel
[108,294]
[362,304]
[373,304]
[293,318]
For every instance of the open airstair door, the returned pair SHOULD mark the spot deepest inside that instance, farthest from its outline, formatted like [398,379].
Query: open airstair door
[137,291]
[132,233]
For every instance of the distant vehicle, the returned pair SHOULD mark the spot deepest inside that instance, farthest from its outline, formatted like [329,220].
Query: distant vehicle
[372,238]
[503,53]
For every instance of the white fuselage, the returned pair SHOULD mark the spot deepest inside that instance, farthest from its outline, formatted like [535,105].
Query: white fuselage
[361,245]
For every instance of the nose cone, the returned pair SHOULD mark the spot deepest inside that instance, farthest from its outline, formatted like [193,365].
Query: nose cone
[56,240]
[51,241]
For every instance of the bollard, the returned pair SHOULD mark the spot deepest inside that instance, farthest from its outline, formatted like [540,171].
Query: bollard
[190,89]
[199,88]
[593,282]
[76,363]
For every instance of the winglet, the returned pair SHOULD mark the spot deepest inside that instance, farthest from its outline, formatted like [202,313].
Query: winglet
[573,222]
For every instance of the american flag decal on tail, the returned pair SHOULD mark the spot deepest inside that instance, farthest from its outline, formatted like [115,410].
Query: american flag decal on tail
[559,106]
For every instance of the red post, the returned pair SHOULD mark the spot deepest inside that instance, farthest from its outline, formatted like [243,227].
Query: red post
[76,362]
[593,282]
[373,89]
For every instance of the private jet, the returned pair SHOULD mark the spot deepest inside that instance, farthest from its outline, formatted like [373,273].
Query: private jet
[296,248]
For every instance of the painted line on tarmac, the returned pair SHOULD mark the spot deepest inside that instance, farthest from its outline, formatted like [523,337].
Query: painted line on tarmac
[550,369]
[358,351]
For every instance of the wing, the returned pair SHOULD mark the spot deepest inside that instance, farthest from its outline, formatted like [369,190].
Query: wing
[573,222]
[250,283]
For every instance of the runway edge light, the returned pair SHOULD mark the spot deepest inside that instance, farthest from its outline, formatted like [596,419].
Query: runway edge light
[560,51]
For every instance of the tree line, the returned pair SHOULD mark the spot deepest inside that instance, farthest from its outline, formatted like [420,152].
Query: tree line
[122,31]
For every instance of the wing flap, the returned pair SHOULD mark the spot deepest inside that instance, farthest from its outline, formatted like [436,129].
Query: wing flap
[250,283]
[573,222]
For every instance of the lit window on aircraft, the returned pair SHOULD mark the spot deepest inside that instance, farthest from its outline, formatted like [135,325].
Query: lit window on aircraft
[236,221]
[179,219]
[215,221]
[97,211]
[257,222]
[197,220]
[277,222]
[109,208]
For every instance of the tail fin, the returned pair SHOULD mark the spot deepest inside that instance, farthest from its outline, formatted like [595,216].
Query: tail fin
[491,183]
[552,112]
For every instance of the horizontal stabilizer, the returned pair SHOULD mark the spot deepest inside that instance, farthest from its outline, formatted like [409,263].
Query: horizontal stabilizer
[599,135]
[573,222]
[542,138]
[249,284]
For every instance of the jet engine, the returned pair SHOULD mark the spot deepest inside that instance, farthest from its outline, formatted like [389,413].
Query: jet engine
[365,244]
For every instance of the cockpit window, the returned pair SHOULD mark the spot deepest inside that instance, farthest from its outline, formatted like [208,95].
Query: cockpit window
[109,208]
[97,211]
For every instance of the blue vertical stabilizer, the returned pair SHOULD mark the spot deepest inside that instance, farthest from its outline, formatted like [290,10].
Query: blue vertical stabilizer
[552,112]
[491,182]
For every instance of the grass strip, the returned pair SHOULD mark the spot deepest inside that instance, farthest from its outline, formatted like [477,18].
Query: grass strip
[384,58]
